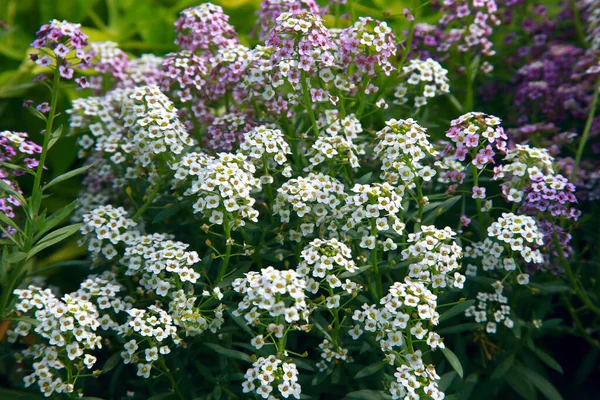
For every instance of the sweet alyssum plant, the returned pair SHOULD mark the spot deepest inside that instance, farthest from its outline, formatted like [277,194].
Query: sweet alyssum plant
[267,222]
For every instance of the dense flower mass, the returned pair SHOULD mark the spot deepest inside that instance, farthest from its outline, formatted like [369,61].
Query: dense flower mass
[340,201]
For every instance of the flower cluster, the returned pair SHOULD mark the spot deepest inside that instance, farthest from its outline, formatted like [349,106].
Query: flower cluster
[268,373]
[268,149]
[67,327]
[414,379]
[104,228]
[162,264]
[204,28]
[491,309]
[424,80]
[109,61]
[316,199]
[272,295]
[61,38]
[331,123]
[153,121]
[374,209]
[401,146]
[335,150]
[433,258]
[222,184]
[226,132]
[367,44]
[15,150]
[479,135]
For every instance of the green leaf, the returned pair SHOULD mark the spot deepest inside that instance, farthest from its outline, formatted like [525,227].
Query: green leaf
[18,395]
[370,370]
[468,386]
[15,257]
[111,363]
[4,187]
[229,352]
[55,136]
[459,328]
[366,178]
[9,222]
[168,212]
[67,175]
[453,360]
[438,209]
[368,395]
[503,367]
[53,238]
[551,287]
[56,218]
[457,309]
[520,385]
[548,360]
[541,383]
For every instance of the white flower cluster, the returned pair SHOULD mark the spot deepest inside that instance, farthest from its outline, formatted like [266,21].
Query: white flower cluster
[518,232]
[222,184]
[322,261]
[270,372]
[523,161]
[316,199]
[106,144]
[491,309]
[336,150]
[401,145]
[374,209]
[104,228]
[192,317]
[154,325]
[409,308]
[331,124]
[434,257]
[67,327]
[424,80]
[331,353]
[162,264]
[270,294]
[267,148]
[415,380]
[153,121]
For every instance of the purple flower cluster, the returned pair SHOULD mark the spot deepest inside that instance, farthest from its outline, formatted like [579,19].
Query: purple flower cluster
[110,61]
[15,149]
[367,44]
[478,135]
[204,28]
[550,193]
[227,132]
[56,41]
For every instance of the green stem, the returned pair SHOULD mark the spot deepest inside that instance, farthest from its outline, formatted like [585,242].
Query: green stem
[153,194]
[308,105]
[167,372]
[468,103]
[223,270]
[375,263]
[411,30]
[478,204]
[47,134]
[586,131]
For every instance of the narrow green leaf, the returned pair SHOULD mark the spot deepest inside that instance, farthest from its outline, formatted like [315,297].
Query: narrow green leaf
[56,218]
[4,187]
[503,367]
[67,175]
[4,219]
[15,257]
[541,383]
[453,360]
[368,395]
[53,238]
[458,328]
[520,385]
[162,396]
[229,352]
[55,136]
[168,212]
[457,309]
[111,363]
[438,209]
[548,360]
[370,370]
